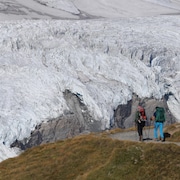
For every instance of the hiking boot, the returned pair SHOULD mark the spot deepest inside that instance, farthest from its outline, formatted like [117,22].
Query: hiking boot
[140,138]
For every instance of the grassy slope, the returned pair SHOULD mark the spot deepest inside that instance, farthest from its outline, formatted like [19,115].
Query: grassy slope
[174,131]
[95,157]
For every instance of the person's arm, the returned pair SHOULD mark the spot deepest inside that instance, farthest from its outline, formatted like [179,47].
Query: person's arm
[153,117]
[136,116]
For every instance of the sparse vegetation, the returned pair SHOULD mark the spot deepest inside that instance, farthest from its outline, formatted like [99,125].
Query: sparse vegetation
[93,156]
[174,132]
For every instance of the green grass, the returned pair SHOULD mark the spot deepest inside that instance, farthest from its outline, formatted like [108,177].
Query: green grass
[95,157]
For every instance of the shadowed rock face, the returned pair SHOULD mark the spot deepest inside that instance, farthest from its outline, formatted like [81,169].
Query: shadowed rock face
[121,113]
[74,122]
[125,114]
[78,120]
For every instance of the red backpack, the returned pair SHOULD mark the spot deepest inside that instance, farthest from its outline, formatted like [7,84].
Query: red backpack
[142,112]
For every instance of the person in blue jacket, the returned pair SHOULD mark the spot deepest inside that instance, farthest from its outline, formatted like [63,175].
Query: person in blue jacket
[159,119]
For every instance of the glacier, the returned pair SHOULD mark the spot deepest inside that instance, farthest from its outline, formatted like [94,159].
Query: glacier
[103,60]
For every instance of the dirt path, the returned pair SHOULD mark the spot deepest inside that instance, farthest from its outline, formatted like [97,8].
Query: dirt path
[133,136]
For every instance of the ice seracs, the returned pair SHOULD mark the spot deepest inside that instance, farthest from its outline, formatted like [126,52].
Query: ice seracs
[105,61]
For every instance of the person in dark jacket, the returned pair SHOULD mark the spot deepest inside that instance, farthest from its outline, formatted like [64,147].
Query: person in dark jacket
[140,120]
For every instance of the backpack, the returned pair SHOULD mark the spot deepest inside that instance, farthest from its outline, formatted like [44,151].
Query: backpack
[160,114]
[141,116]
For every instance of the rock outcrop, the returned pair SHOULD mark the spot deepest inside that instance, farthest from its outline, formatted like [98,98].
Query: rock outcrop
[74,122]
[78,120]
[125,114]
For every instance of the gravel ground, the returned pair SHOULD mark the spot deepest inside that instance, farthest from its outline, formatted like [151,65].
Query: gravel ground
[133,136]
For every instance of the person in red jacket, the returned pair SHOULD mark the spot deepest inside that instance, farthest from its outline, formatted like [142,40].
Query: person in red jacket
[140,120]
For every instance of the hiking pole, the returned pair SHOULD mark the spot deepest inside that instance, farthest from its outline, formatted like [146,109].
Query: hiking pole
[149,130]
[145,131]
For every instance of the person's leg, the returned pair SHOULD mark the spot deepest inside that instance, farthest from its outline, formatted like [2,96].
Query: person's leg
[161,125]
[139,131]
[155,130]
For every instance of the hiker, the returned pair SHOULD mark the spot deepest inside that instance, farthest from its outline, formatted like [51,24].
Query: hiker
[140,120]
[159,119]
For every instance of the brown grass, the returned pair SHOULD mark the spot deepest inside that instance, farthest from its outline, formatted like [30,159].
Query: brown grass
[94,157]
[174,132]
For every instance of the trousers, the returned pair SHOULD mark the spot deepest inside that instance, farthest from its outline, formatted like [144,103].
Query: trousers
[140,128]
[160,126]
